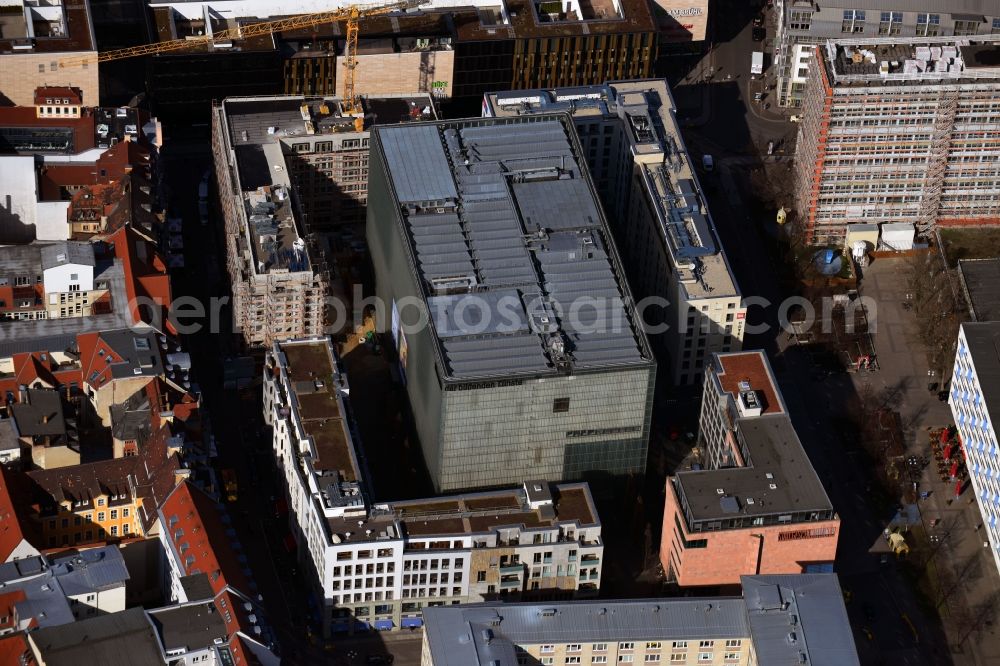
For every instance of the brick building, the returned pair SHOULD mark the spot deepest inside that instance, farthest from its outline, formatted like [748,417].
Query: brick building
[756,506]
[47,44]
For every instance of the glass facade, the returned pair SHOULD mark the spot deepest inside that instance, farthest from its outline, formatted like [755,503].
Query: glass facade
[502,435]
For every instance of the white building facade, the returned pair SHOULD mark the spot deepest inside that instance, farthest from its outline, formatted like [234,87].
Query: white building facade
[377,565]
[974,400]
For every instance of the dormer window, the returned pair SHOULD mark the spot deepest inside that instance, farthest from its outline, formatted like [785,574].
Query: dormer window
[48,100]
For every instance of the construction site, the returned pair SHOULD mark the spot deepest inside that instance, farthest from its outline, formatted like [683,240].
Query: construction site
[899,131]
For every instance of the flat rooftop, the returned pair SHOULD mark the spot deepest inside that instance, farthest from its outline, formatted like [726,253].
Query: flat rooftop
[478,634]
[916,60]
[313,378]
[49,26]
[647,112]
[983,339]
[475,513]
[261,131]
[980,278]
[476,20]
[505,235]
[814,605]
[776,477]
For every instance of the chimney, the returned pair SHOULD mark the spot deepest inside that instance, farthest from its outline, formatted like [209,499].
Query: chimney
[45,418]
[22,394]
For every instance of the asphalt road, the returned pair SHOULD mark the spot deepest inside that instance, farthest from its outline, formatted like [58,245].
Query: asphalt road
[242,440]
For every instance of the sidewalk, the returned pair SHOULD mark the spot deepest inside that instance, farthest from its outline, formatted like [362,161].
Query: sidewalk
[967,592]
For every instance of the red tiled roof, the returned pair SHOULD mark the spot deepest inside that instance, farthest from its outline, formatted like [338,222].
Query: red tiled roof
[84,128]
[145,273]
[14,651]
[13,529]
[8,600]
[209,548]
[75,95]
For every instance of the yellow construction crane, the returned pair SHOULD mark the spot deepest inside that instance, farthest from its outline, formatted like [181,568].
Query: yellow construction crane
[351,15]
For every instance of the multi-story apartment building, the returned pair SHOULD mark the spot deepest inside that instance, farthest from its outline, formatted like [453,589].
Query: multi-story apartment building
[899,130]
[797,619]
[975,387]
[803,24]
[53,281]
[456,51]
[290,170]
[47,43]
[507,303]
[756,506]
[657,211]
[379,564]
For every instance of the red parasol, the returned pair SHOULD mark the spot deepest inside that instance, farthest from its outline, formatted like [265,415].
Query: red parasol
[947,451]
[954,470]
[944,436]
[958,489]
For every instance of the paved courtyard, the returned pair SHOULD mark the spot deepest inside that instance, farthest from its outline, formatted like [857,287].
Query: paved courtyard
[963,573]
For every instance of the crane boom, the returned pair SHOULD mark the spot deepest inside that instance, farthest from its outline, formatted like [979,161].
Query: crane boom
[350,14]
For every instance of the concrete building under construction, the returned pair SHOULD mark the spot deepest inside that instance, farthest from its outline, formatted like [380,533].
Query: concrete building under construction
[457,53]
[900,130]
[291,170]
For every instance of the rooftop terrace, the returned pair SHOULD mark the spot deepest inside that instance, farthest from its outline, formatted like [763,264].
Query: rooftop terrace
[913,60]
[773,475]
[646,111]
[505,235]
[45,26]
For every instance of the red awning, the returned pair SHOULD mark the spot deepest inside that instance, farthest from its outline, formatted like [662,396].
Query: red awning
[958,489]
[944,436]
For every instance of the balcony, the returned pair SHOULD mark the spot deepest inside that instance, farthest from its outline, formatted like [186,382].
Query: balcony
[510,583]
[511,569]
[590,560]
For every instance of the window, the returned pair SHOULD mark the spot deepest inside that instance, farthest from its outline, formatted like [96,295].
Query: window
[680,645]
[625,658]
[480,576]
[114,514]
[114,530]
[800,20]
[547,649]
[704,656]
[572,660]
[573,647]
[626,646]
[734,643]
[655,645]
[890,23]
[560,405]
[600,647]
[928,25]
[854,21]
[966,27]
[706,644]
[996,26]
[100,516]
[125,512]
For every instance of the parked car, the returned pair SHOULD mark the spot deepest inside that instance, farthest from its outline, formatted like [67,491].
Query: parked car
[758,34]
[707,162]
